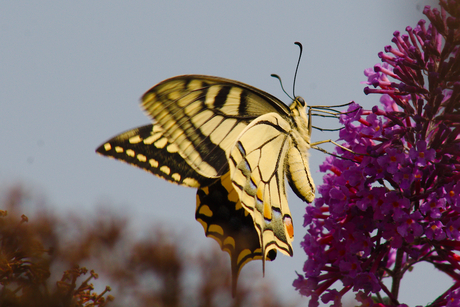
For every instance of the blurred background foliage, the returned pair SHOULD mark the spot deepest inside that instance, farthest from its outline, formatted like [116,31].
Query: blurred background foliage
[95,260]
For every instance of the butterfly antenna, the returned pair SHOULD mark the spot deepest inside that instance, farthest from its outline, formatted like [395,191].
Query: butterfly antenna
[281,83]
[297,67]
[327,129]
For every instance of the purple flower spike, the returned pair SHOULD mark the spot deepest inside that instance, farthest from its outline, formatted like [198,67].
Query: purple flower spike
[395,201]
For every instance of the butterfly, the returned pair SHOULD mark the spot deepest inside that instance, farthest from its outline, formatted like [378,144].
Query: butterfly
[236,144]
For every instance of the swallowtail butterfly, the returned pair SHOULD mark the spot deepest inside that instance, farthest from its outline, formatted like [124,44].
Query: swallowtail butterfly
[236,144]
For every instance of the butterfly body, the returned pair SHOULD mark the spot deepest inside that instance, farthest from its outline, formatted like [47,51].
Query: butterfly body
[298,172]
[236,144]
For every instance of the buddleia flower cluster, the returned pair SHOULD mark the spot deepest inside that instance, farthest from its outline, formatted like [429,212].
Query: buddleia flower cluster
[395,201]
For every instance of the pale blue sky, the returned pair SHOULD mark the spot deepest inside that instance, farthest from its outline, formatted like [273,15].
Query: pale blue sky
[72,72]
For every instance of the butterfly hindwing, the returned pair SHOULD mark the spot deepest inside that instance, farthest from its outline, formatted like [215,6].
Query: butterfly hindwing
[257,167]
[204,115]
[223,218]
[218,210]
[146,147]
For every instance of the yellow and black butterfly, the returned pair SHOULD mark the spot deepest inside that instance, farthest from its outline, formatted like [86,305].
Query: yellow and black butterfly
[236,144]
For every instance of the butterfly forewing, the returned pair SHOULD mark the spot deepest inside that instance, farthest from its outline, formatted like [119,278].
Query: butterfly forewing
[146,147]
[204,115]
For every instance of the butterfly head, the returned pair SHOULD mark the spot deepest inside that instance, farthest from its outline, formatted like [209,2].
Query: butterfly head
[300,101]
[299,105]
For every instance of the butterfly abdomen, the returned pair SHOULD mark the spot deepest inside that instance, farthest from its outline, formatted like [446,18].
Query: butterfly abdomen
[298,173]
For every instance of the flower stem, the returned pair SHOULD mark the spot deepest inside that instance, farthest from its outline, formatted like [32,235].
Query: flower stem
[397,273]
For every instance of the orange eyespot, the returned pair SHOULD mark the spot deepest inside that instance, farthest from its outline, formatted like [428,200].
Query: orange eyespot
[289,226]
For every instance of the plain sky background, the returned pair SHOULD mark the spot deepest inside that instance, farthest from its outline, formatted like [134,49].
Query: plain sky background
[72,72]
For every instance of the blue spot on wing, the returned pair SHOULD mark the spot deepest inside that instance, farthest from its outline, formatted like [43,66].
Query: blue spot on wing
[241,148]
[252,184]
